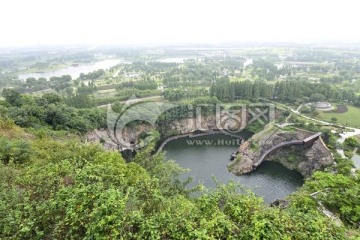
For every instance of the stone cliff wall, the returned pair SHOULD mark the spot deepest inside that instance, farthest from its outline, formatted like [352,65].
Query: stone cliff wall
[303,159]
[133,134]
[111,142]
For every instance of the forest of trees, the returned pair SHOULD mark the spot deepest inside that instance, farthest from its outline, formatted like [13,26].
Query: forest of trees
[285,91]
[140,85]
[51,110]
[92,75]
[180,93]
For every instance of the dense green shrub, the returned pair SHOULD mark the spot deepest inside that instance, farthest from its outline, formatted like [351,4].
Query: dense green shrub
[16,151]
[76,191]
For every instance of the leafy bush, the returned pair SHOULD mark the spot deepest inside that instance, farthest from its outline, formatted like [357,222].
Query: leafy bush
[351,142]
[77,191]
[17,151]
[338,192]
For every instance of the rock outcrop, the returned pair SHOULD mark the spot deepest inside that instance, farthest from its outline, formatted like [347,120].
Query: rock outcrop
[304,159]
[110,141]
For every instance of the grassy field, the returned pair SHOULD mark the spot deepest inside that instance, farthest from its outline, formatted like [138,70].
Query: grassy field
[350,118]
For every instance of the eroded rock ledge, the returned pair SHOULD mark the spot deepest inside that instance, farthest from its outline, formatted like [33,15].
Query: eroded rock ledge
[304,159]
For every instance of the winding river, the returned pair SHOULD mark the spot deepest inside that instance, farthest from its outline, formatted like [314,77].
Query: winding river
[207,157]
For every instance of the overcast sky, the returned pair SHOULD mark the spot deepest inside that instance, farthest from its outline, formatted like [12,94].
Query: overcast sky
[43,22]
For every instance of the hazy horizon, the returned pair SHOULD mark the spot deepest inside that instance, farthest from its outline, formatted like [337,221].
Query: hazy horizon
[44,23]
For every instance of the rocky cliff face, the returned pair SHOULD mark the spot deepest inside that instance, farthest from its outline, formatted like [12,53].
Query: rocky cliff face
[306,160]
[110,141]
[133,134]
[188,125]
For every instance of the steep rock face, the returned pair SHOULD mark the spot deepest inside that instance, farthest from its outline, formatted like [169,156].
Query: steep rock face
[187,125]
[318,157]
[112,141]
[297,157]
[304,160]
[101,136]
[203,123]
[133,134]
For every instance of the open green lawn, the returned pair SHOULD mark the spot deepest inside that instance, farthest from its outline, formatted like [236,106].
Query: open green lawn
[351,117]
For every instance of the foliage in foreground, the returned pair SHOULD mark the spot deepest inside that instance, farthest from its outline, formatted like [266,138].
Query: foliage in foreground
[69,190]
[339,193]
[73,191]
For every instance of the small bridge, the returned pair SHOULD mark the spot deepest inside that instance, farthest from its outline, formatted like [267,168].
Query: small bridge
[305,143]
[195,134]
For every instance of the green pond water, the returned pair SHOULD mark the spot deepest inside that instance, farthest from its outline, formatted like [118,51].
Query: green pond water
[207,158]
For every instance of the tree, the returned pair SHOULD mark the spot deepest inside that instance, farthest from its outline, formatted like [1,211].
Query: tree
[12,97]
[351,142]
[52,98]
[17,151]
[315,113]
[306,99]
[317,97]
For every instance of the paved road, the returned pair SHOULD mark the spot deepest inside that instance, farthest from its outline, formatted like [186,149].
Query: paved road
[133,100]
